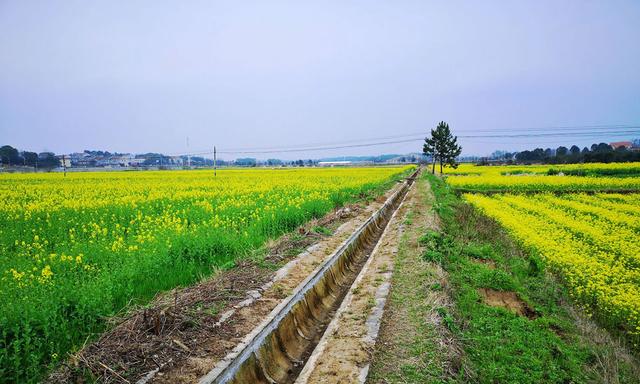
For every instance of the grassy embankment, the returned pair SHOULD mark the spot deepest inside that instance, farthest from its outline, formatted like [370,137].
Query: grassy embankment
[531,333]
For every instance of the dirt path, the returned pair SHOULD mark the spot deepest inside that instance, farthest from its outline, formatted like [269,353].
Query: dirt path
[414,346]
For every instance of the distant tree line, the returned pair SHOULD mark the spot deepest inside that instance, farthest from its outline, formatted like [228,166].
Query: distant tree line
[11,156]
[102,153]
[597,153]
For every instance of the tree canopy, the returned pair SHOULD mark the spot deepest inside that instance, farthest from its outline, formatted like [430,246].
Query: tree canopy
[596,153]
[442,147]
[10,155]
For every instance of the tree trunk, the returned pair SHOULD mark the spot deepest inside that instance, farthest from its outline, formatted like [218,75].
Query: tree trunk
[441,166]
[433,169]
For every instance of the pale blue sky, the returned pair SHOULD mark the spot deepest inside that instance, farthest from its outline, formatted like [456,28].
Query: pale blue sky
[143,75]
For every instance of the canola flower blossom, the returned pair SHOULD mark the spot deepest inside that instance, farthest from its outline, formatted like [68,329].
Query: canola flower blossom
[586,169]
[546,178]
[538,183]
[77,249]
[592,241]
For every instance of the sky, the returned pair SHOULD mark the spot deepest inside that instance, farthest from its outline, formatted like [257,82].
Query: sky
[143,76]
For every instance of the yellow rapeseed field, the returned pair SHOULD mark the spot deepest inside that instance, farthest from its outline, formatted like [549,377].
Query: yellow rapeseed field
[540,178]
[591,240]
[75,250]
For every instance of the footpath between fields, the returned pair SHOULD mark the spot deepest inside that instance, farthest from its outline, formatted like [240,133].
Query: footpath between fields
[468,304]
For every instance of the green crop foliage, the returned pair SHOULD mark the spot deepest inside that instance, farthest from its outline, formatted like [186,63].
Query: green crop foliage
[76,250]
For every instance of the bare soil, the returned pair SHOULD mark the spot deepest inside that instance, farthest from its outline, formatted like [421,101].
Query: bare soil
[488,262]
[508,300]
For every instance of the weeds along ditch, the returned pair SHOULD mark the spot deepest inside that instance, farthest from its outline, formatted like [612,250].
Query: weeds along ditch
[76,251]
[513,318]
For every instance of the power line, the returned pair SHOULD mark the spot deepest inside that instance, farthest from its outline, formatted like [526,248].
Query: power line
[604,129]
[631,131]
[321,148]
[559,132]
[501,142]
[557,128]
[292,150]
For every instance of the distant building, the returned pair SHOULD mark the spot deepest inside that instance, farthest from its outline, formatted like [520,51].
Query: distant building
[621,144]
[176,160]
[343,163]
[117,161]
[137,161]
[65,161]
[334,163]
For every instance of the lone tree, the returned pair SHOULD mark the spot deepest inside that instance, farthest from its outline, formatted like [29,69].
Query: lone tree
[442,146]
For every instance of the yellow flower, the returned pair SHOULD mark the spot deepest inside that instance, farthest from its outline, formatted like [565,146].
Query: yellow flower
[593,242]
[46,272]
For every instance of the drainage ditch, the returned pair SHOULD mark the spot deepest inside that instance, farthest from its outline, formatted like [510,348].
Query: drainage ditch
[275,352]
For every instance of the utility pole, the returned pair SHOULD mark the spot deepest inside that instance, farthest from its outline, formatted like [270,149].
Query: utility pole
[214,161]
[64,165]
[188,154]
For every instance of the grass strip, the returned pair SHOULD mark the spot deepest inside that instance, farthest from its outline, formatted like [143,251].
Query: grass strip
[530,333]
[405,350]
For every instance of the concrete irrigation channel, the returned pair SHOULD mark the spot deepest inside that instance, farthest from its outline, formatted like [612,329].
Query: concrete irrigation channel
[276,351]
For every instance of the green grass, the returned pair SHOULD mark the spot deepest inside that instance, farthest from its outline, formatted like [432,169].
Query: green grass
[322,230]
[500,346]
[418,361]
[407,353]
[631,171]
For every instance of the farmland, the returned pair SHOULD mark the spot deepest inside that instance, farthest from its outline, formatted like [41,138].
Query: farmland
[548,178]
[529,275]
[89,252]
[590,240]
[78,249]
